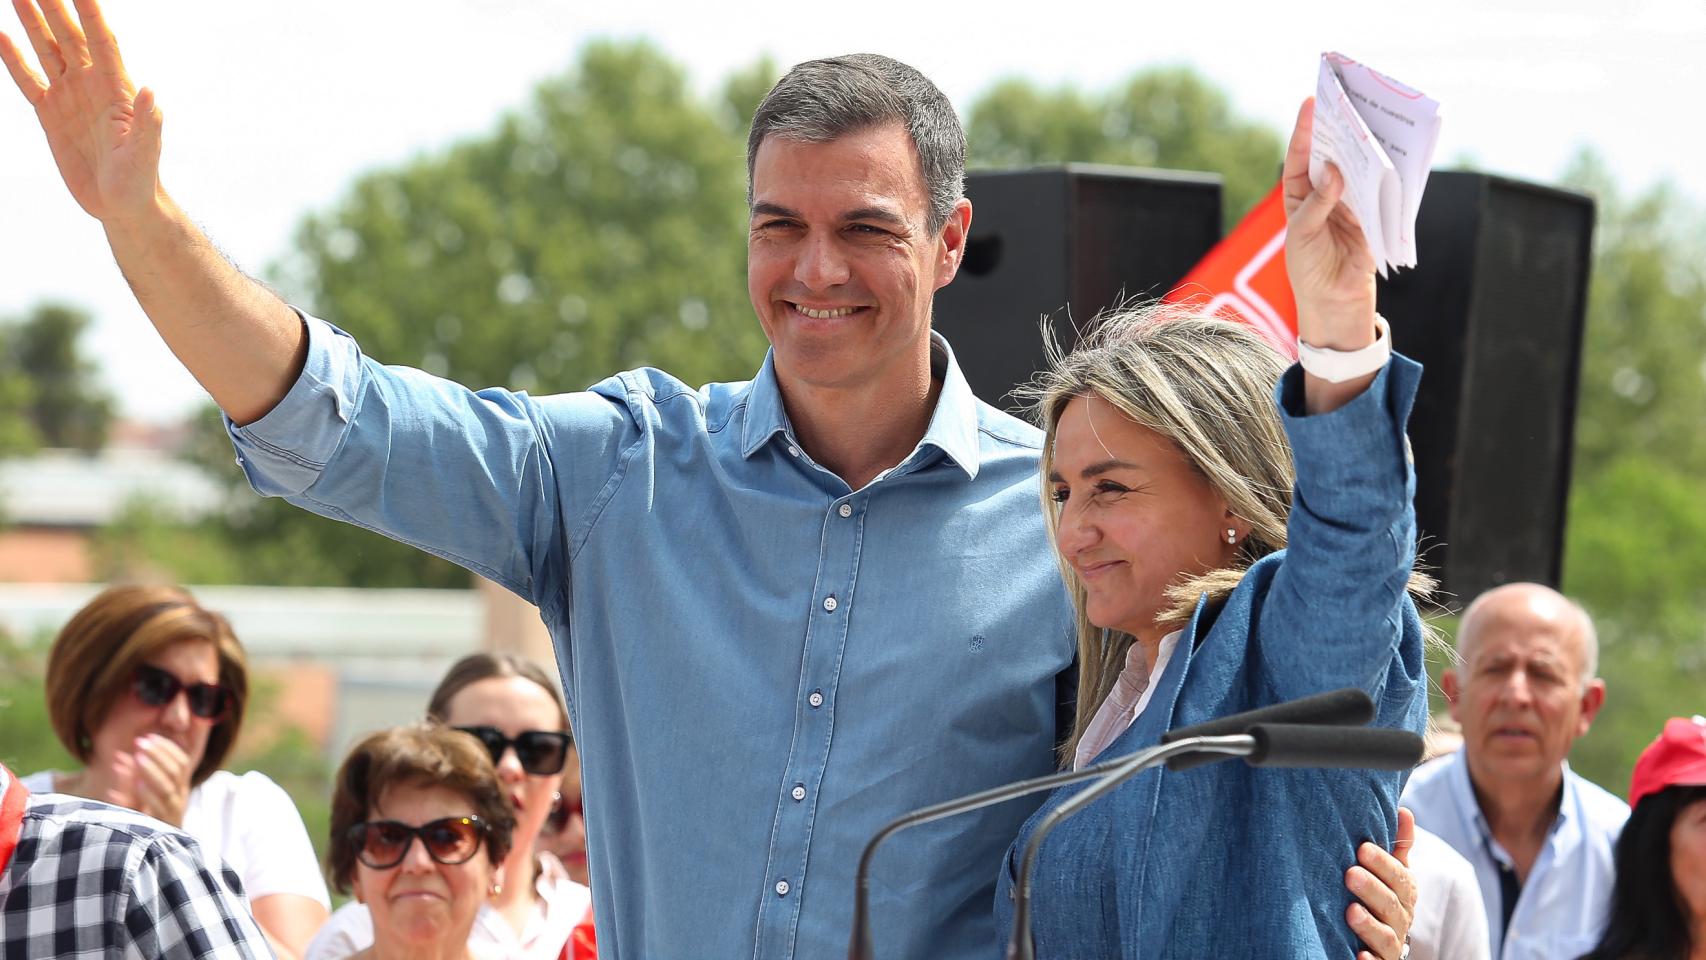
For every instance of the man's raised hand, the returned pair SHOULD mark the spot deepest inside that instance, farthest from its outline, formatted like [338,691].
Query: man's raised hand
[104,133]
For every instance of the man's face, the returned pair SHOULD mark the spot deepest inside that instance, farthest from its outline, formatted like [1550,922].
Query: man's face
[1519,695]
[841,264]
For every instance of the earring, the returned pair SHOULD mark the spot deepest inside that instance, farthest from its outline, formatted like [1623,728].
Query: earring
[497,888]
[1231,535]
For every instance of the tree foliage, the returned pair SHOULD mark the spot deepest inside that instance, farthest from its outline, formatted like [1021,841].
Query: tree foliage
[1171,118]
[1636,538]
[50,394]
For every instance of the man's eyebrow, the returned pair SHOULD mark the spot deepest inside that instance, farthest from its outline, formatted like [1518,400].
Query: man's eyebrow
[764,208]
[874,213]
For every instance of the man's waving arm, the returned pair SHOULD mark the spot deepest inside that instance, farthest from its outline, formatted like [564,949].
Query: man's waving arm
[244,345]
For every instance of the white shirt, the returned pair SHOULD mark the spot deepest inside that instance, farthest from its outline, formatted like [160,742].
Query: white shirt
[1561,911]
[1450,922]
[1131,693]
[252,824]
[562,903]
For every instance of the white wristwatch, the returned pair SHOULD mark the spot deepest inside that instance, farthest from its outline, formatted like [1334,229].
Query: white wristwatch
[1337,366]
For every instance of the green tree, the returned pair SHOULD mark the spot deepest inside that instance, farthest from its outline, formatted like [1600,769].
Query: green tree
[1635,551]
[49,389]
[1170,117]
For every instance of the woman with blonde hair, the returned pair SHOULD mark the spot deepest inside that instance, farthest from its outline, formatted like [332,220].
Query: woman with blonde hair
[147,689]
[1234,533]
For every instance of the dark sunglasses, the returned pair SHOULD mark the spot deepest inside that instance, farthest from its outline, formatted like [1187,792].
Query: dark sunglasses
[561,812]
[382,844]
[541,752]
[156,688]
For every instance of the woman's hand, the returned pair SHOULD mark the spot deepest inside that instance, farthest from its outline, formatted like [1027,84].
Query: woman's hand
[1330,266]
[104,133]
[1386,894]
[162,779]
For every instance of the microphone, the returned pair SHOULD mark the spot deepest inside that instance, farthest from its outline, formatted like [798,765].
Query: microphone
[1286,745]
[1349,705]
[1350,748]
[1344,707]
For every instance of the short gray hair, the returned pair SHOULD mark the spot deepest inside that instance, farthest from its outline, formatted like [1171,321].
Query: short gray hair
[822,100]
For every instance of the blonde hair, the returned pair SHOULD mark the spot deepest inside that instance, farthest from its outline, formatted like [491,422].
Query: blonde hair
[1205,385]
[97,653]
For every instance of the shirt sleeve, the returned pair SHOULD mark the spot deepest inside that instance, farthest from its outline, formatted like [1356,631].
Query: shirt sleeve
[493,480]
[280,858]
[1333,615]
[175,905]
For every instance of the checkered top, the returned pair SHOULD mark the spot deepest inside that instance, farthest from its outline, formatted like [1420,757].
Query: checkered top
[91,880]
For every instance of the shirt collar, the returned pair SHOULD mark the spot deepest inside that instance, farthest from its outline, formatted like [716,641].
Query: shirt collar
[953,425]
[1466,794]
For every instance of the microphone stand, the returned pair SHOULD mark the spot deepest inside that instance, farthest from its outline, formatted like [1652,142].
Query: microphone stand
[1236,745]
[860,948]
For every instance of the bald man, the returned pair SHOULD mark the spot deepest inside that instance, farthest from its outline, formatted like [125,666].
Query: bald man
[1539,836]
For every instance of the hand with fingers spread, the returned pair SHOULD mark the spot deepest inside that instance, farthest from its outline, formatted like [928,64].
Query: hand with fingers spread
[104,133]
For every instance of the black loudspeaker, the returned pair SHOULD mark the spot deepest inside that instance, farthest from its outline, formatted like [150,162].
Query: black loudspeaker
[1064,243]
[1495,310]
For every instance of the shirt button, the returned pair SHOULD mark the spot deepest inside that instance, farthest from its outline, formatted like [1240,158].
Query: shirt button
[782,888]
[816,699]
[846,510]
[799,792]
[830,604]
[793,451]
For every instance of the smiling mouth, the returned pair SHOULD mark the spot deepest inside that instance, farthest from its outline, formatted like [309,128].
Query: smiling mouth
[1097,569]
[832,314]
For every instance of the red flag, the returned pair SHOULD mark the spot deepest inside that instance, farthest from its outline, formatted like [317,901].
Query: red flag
[1243,277]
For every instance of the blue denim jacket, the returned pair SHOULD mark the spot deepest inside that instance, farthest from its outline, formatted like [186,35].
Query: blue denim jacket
[1227,860]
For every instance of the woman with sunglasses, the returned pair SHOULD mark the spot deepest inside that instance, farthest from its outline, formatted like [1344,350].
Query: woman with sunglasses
[420,831]
[510,706]
[146,688]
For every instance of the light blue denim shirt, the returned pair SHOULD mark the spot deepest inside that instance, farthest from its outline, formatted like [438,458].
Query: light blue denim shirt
[1561,911]
[762,665]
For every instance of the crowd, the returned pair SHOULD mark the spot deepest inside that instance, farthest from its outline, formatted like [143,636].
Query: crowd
[790,609]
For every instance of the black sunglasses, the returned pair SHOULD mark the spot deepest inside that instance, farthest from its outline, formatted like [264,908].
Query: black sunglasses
[541,752]
[156,688]
[558,819]
[382,844]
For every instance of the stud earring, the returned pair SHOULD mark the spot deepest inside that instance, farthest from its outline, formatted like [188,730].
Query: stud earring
[1231,535]
[497,888]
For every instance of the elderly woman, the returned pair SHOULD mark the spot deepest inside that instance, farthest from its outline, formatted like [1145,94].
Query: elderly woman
[510,707]
[146,688]
[1211,574]
[420,830]
[1658,903]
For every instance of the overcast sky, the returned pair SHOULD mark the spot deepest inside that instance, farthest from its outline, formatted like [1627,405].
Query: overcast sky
[272,106]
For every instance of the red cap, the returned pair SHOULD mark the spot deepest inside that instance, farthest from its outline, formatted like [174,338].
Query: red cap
[1676,758]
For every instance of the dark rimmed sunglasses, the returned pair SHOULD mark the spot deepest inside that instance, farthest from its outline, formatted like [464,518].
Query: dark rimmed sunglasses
[156,688]
[558,819]
[382,844]
[541,752]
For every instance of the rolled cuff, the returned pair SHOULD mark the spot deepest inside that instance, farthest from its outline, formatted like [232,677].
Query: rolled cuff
[283,452]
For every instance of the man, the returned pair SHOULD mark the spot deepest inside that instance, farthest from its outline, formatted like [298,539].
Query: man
[79,878]
[1539,836]
[785,611]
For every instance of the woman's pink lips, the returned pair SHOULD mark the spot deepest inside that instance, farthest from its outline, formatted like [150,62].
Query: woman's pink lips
[1092,570]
